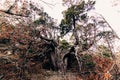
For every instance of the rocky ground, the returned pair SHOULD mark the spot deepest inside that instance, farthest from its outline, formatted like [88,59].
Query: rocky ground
[9,69]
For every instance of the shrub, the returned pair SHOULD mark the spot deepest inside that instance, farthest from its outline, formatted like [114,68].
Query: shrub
[90,64]
[64,44]
[106,55]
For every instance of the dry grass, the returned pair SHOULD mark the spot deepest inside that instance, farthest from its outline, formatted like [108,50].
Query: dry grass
[67,76]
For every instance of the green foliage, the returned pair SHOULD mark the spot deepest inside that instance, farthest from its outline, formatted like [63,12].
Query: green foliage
[65,28]
[90,64]
[88,61]
[71,14]
[13,27]
[106,55]
[84,16]
[86,57]
[64,44]
[44,19]
[39,21]
[105,51]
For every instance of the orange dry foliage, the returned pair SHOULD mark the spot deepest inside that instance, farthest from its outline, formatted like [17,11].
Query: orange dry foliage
[103,64]
[5,30]
[107,76]
[100,71]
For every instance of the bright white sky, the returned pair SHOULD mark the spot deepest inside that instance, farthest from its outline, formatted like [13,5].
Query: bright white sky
[110,9]
[54,11]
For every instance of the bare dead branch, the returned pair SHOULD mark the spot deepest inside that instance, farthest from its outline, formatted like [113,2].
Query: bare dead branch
[10,13]
[11,7]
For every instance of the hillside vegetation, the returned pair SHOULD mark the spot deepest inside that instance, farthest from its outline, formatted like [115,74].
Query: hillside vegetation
[33,47]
